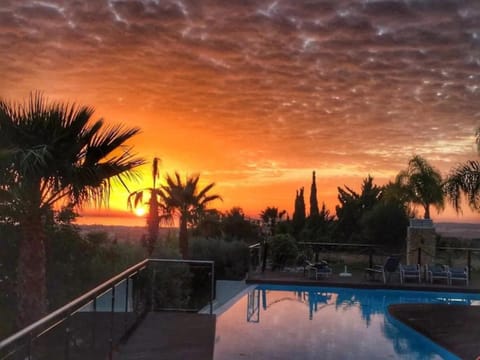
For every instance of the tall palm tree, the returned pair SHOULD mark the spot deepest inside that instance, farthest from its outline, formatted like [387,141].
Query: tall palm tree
[423,184]
[465,180]
[52,154]
[188,201]
[156,210]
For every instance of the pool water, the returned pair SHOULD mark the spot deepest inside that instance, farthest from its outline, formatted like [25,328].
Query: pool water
[291,322]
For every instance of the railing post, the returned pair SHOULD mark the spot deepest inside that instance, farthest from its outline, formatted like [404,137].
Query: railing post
[419,256]
[370,257]
[212,284]
[264,260]
[125,319]
[29,347]
[112,320]
[152,288]
[94,324]
[469,263]
[67,338]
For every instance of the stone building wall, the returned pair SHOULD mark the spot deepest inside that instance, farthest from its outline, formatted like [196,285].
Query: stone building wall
[421,234]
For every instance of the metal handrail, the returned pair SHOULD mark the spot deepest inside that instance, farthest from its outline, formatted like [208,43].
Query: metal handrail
[73,305]
[336,244]
[178,261]
[457,248]
[63,313]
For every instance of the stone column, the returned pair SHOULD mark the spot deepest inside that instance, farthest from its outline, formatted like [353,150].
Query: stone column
[421,235]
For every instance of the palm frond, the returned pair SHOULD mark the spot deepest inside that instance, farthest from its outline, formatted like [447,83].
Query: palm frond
[464,180]
[47,145]
[137,197]
[207,199]
[206,189]
[102,144]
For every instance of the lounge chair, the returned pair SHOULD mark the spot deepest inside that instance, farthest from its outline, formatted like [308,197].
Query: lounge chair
[385,271]
[437,271]
[320,269]
[458,273]
[410,272]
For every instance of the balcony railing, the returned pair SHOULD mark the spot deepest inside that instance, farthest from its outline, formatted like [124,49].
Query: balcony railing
[94,324]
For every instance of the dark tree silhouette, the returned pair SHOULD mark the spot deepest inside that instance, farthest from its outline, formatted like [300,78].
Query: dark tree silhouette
[188,201]
[209,224]
[52,154]
[423,184]
[156,209]
[386,224]
[271,216]
[320,227]
[314,212]
[236,226]
[353,206]
[298,218]
[465,180]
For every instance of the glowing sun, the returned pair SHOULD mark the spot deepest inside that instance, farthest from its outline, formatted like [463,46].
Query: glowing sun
[140,211]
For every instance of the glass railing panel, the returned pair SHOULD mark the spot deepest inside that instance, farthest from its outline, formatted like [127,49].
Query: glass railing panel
[93,325]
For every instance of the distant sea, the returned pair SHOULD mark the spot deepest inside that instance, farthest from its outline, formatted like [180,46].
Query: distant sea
[458,230]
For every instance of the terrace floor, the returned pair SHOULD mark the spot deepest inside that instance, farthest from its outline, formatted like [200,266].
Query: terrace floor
[171,336]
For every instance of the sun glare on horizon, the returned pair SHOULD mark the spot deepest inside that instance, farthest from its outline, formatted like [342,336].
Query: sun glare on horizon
[141,211]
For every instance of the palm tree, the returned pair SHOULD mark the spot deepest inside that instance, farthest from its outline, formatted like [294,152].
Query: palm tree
[156,210]
[51,155]
[270,216]
[465,179]
[423,184]
[187,201]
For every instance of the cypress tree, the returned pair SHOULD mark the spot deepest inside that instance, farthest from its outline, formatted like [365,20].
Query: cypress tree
[314,212]
[298,220]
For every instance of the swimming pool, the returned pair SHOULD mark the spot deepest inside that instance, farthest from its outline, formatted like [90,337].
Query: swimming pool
[293,322]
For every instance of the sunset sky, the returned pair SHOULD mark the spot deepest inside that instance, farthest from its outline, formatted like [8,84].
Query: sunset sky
[255,95]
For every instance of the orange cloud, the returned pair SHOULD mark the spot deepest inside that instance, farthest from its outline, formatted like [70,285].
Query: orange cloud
[255,97]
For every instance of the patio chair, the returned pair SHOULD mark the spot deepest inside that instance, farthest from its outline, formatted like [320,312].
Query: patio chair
[385,271]
[436,271]
[320,269]
[458,273]
[410,272]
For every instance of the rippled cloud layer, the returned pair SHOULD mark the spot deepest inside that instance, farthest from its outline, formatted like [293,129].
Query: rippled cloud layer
[257,93]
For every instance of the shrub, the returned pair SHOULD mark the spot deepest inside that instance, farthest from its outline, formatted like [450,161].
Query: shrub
[173,286]
[386,224]
[77,263]
[231,258]
[9,239]
[283,249]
